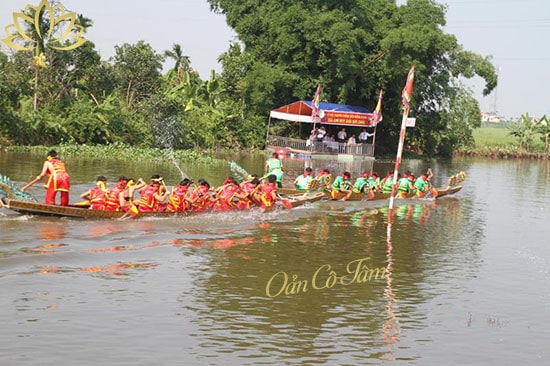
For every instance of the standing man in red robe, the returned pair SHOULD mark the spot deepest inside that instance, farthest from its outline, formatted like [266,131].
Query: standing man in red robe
[58,179]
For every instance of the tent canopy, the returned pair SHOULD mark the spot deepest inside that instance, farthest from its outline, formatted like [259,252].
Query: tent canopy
[334,114]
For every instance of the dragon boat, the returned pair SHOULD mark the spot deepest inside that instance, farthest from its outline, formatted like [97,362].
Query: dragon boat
[14,199]
[453,186]
[324,184]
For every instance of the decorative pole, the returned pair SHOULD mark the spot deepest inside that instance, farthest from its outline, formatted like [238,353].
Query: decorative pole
[405,98]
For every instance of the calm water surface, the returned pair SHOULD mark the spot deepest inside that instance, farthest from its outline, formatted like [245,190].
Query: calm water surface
[467,277]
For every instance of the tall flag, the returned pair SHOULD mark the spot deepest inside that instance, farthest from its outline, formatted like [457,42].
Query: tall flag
[377,114]
[315,102]
[408,89]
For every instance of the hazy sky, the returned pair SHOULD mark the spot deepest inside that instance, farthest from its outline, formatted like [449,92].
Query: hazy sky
[514,32]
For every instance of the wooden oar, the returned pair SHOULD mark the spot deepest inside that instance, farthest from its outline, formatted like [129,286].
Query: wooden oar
[83,204]
[31,183]
[286,203]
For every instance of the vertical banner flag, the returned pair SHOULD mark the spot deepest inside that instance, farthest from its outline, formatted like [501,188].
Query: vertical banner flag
[408,89]
[377,114]
[315,102]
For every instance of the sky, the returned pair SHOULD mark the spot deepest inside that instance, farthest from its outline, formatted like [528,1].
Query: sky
[514,33]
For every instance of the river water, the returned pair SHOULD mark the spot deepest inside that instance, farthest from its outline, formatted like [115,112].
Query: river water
[462,280]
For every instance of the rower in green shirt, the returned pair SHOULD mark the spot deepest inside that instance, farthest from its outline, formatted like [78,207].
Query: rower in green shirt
[302,181]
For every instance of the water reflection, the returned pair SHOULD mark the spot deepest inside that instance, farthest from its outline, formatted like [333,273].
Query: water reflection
[232,292]
[390,328]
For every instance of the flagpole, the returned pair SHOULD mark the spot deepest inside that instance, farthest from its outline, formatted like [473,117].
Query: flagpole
[374,139]
[398,161]
[406,96]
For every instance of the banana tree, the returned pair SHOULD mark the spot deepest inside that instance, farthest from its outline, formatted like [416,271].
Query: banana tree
[544,129]
[525,131]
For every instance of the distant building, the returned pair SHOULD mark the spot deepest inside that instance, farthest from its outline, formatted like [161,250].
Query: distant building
[491,117]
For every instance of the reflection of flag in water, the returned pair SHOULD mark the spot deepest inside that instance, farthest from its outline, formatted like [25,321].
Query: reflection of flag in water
[315,102]
[408,89]
[377,114]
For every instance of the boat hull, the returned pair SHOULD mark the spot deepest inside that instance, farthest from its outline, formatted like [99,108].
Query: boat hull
[441,192]
[35,208]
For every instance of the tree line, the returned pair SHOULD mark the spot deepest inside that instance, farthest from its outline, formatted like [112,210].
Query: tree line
[284,49]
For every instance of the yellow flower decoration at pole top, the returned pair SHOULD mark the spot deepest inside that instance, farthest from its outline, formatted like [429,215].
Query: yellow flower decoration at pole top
[28,32]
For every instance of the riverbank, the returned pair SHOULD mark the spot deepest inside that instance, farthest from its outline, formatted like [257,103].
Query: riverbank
[498,152]
[490,142]
[119,151]
[495,141]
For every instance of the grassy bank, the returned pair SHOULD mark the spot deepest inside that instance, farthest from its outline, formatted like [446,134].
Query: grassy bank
[122,152]
[495,141]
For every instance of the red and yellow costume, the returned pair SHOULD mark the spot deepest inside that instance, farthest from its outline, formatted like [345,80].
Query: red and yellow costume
[112,201]
[58,181]
[148,201]
[250,189]
[201,198]
[177,200]
[268,194]
[98,196]
[225,195]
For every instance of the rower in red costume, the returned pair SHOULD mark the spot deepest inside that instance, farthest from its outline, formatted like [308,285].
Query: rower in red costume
[201,198]
[250,195]
[98,194]
[115,198]
[153,195]
[226,195]
[268,192]
[179,200]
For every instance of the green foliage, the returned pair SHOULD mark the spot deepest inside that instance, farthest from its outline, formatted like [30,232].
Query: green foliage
[354,48]
[543,127]
[120,151]
[524,131]
[137,70]
[285,48]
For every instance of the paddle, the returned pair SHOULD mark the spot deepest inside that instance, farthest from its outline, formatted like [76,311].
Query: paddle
[83,204]
[28,185]
[371,194]
[125,216]
[286,203]
[132,212]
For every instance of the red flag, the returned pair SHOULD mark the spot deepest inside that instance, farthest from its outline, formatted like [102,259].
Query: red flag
[377,114]
[408,89]
[315,102]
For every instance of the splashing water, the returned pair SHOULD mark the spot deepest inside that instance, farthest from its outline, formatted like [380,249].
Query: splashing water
[172,158]
[166,133]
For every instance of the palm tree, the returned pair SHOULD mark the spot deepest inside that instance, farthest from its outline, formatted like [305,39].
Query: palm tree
[176,53]
[84,22]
